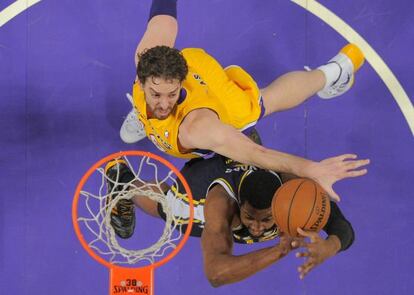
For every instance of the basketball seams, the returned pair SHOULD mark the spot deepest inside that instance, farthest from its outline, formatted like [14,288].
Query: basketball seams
[293,207]
[290,205]
[275,217]
[278,220]
[315,197]
[328,208]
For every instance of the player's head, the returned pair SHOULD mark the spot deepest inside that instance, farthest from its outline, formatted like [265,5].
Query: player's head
[161,70]
[256,194]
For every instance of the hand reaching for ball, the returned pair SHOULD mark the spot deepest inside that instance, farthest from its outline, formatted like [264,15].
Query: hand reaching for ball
[330,170]
[316,251]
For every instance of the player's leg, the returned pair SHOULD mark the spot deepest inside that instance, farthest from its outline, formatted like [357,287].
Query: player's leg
[122,215]
[146,204]
[162,26]
[291,89]
[329,80]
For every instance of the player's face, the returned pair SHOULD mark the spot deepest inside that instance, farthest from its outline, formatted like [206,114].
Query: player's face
[256,220]
[161,96]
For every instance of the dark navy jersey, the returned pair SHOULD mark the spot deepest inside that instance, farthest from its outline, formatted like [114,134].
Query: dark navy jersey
[201,175]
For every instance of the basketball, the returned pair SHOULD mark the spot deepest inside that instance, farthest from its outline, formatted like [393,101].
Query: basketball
[300,203]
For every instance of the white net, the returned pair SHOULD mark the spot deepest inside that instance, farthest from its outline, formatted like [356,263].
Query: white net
[96,203]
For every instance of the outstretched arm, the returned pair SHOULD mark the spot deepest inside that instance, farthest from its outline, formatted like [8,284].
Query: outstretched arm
[202,129]
[162,26]
[220,265]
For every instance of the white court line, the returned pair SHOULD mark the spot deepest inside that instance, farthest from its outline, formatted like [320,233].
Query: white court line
[372,57]
[14,9]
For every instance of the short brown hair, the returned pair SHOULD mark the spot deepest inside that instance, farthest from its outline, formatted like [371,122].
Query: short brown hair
[162,62]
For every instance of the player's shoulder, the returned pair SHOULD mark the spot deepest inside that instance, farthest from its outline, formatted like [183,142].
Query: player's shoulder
[190,51]
[195,56]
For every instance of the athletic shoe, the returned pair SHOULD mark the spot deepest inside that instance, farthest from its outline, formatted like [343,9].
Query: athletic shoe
[132,130]
[339,71]
[122,214]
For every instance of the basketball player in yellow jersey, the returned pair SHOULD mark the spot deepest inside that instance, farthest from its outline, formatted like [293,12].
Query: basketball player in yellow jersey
[188,104]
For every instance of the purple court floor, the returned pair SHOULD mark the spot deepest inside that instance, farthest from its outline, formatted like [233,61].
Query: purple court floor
[65,67]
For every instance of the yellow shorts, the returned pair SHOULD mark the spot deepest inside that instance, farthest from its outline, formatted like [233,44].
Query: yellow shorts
[233,86]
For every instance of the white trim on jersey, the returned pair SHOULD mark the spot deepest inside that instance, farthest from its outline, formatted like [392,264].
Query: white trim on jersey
[181,208]
[251,124]
[277,175]
[225,185]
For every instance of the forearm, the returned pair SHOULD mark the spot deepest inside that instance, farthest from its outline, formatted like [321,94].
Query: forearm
[243,150]
[339,227]
[278,161]
[334,245]
[202,129]
[227,269]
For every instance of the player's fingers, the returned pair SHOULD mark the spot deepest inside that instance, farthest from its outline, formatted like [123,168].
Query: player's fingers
[301,268]
[302,254]
[306,270]
[303,232]
[346,157]
[352,165]
[356,173]
[310,262]
[331,193]
[298,243]
[313,236]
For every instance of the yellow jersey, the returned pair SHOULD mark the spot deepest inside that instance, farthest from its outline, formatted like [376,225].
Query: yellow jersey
[231,93]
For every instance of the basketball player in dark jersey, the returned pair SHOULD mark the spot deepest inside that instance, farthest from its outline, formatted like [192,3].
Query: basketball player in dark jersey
[232,203]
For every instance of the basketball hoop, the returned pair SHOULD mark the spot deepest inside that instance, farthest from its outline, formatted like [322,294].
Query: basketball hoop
[131,270]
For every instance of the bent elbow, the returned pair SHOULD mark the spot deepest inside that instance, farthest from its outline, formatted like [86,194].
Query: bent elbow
[217,277]
[215,281]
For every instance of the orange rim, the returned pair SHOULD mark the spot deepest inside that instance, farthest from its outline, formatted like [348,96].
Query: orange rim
[99,164]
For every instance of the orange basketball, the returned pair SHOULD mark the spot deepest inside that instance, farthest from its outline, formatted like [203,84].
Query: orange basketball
[300,203]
